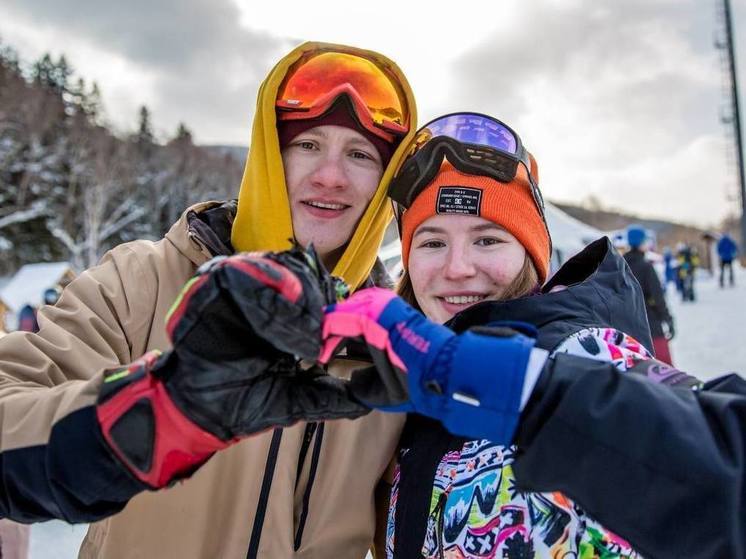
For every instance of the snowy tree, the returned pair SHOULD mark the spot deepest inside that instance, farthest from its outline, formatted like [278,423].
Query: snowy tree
[144,136]
[70,188]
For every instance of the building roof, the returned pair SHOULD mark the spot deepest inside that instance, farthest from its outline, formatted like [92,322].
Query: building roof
[28,284]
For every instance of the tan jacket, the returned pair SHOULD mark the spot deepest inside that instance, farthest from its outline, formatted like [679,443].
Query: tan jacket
[320,506]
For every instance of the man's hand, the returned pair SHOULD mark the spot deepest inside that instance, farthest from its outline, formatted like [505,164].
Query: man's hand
[279,295]
[226,377]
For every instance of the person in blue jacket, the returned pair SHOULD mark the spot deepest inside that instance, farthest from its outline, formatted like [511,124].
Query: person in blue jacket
[727,251]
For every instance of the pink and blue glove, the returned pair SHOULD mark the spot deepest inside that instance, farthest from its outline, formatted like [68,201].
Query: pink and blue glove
[471,382]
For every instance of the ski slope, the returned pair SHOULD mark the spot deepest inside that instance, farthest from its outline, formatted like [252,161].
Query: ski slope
[710,340]
[711,332]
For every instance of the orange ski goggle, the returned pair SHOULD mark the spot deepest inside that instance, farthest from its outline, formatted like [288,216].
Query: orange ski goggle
[317,80]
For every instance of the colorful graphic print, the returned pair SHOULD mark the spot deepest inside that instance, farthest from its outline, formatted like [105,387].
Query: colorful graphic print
[605,344]
[477,511]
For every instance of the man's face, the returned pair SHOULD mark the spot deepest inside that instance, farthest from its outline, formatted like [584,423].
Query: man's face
[331,174]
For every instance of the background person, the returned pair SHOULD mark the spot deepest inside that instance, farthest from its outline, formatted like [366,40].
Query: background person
[727,251]
[688,262]
[27,321]
[659,317]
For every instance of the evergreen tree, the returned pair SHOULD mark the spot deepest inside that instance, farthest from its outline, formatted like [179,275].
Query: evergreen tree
[183,135]
[61,72]
[78,96]
[42,71]
[94,105]
[144,135]
[9,59]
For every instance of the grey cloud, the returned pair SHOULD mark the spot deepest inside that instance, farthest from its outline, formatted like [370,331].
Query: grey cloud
[206,67]
[166,34]
[578,49]
[642,77]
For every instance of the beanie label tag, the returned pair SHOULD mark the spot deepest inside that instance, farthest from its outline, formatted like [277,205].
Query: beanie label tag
[459,200]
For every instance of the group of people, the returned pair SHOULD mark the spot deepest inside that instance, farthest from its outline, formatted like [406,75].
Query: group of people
[251,386]
[681,271]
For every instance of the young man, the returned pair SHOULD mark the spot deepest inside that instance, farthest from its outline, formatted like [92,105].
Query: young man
[84,433]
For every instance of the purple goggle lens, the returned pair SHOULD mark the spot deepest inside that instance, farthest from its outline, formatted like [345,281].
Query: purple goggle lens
[473,128]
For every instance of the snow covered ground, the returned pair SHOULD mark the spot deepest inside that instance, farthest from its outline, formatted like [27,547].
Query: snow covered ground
[711,340]
[711,332]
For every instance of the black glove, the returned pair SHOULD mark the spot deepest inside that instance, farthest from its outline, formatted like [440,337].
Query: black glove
[281,295]
[165,416]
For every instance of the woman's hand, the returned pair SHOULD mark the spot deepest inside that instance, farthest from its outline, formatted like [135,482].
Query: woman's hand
[471,382]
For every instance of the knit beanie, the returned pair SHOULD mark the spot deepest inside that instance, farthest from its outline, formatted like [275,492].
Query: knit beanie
[340,114]
[509,205]
[636,235]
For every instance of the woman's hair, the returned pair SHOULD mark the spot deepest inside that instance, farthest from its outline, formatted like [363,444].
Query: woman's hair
[524,283]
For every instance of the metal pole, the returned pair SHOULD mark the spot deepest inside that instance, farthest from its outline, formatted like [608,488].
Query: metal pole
[736,122]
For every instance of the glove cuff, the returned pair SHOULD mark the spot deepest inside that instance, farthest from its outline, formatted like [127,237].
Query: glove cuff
[145,430]
[417,340]
[482,379]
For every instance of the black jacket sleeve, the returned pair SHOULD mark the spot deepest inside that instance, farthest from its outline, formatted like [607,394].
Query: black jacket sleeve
[662,467]
[655,299]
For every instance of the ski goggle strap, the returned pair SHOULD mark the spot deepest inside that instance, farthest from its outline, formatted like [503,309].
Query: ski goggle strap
[473,143]
[317,80]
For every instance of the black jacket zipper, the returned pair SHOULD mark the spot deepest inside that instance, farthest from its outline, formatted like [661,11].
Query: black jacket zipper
[261,507]
[307,438]
[311,476]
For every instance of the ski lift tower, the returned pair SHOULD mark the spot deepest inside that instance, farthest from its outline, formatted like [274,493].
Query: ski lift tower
[733,118]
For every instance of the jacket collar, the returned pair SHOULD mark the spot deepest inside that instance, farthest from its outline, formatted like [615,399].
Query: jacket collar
[203,231]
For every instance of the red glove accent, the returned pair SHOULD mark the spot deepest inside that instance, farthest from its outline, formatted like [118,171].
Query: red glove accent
[180,446]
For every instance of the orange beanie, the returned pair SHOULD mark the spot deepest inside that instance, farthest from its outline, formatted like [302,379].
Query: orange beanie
[510,205]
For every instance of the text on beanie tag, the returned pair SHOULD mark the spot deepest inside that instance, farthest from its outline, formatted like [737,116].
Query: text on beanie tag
[459,200]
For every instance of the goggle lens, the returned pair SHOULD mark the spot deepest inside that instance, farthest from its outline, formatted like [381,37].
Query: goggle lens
[309,83]
[471,128]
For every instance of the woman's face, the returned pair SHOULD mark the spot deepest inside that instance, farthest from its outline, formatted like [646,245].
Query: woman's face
[458,260]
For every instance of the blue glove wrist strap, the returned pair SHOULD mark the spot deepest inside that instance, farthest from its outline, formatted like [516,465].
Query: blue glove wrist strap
[472,382]
[482,378]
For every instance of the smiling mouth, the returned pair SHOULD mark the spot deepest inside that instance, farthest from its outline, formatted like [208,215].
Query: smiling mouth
[326,205]
[463,299]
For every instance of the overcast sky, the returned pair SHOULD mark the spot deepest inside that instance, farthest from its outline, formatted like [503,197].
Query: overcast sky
[620,100]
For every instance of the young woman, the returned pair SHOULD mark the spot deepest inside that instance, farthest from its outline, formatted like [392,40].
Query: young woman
[475,249]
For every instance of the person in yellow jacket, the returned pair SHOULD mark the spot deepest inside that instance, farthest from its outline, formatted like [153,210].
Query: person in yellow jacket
[110,416]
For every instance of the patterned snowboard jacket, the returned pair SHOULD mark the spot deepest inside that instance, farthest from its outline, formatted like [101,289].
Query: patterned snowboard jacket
[458,498]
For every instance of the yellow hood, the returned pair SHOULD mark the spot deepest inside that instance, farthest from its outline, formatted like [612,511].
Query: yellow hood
[263,221]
